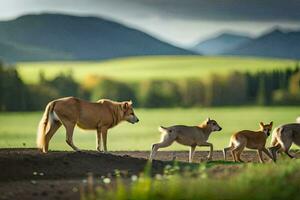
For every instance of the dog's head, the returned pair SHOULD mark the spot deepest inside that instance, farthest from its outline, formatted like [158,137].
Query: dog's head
[213,124]
[129,113]
[266,128]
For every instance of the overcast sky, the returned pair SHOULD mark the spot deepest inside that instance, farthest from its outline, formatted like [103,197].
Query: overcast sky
[182,22]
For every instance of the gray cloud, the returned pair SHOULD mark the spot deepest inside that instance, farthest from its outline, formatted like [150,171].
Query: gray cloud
[181,22]
[220,10]
[233,10]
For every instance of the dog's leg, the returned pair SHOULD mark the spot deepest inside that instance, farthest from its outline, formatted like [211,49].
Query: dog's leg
[286,145]
[274,150]
[260,156]
[192,152]
[259,152]
[69,134]
[207,144]
[225,151]
[236,152]
[268,153]
[167,140]
[233,152]
[53,128]
[98,142]
[104,138]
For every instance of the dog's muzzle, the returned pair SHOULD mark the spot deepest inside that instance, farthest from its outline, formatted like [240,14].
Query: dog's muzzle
[133,120]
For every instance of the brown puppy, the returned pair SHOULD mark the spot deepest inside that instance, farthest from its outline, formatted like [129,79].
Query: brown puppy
[71,111]
[250,139]
[187,135]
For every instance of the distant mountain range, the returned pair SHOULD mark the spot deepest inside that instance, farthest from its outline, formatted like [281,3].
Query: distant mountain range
[277,43]
[220,44]
[65,37]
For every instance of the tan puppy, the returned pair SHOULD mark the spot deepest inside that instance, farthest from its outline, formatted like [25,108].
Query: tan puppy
[187,135]
[250,139]
[71,111]
[283,137]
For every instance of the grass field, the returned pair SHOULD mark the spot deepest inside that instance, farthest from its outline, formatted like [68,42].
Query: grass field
[266,182]
[155,67]
[19,129]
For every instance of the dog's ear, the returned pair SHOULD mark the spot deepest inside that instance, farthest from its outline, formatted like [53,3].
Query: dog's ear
[261,124]
[130,103]
[207,120]
[125,106]
[271,123]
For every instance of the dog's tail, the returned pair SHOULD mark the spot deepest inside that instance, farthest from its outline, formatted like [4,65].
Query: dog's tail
[41,132]
[275,133]
[163,129]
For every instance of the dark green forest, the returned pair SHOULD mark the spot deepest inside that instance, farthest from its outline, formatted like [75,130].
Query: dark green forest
[278,87]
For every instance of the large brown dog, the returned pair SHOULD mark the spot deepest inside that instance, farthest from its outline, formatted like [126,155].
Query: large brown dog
[71,111]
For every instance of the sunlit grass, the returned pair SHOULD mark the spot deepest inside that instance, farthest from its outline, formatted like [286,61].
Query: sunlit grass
[151,67]
[18,129]
[252,182]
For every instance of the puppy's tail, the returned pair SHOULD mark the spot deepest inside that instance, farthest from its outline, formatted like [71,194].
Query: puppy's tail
[163,129]
[276,136]
[41,132]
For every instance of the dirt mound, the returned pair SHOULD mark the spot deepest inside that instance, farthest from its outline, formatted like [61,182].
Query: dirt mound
[21,164]
[29,174]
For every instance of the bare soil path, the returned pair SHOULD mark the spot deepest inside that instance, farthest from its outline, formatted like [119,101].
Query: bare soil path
[29,174]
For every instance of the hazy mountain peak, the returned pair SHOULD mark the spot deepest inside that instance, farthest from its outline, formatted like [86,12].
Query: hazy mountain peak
[220,43]
[277,42]
[77,38]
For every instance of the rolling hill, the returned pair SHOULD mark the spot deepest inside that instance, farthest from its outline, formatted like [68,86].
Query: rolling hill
[220,44]
[276,43]
[64,37]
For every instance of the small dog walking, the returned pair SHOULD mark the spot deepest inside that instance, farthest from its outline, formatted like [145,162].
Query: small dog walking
[283,137]
[187,135]
[70,111]
[250,139]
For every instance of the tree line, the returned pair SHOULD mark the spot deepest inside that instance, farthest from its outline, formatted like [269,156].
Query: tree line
[277,87]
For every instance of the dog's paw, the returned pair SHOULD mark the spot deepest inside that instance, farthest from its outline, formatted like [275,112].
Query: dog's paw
[208,158]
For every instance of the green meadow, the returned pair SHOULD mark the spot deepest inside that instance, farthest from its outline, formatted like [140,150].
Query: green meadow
[254,181]
[19,129]
[151,67]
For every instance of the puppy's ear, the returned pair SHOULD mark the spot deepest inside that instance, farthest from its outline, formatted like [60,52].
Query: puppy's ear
[271,123]
[261,124]
[207,120]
